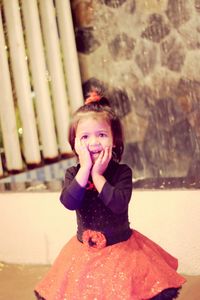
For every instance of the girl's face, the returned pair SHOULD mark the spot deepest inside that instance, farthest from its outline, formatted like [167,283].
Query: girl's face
[96,134]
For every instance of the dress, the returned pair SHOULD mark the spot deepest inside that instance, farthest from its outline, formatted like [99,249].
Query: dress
[107,260]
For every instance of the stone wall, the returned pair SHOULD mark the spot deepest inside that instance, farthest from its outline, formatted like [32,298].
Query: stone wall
[145,55]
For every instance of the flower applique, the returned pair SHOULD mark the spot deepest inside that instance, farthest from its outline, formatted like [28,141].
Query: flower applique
[94,239]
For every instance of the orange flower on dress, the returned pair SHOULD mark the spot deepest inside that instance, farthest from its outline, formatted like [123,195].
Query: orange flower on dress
[94,239]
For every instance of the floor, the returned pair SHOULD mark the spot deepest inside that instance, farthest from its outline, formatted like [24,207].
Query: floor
[17,282]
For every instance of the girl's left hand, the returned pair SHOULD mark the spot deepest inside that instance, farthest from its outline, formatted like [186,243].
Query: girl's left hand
[102,161]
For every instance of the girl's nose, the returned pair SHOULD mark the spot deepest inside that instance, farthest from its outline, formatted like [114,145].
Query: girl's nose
[94,141]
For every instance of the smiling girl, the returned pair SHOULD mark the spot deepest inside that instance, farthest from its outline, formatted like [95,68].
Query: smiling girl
[106,260]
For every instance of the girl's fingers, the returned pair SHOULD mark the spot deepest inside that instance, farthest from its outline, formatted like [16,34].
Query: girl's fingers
[101,155]
[106,156]
[99,159]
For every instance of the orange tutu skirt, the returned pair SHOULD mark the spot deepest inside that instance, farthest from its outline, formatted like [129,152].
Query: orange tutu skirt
[135,269]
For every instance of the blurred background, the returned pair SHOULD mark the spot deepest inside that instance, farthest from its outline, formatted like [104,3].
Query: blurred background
[144,55]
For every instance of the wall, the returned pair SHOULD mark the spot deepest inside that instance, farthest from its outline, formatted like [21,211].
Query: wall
[35,226]
[145,56]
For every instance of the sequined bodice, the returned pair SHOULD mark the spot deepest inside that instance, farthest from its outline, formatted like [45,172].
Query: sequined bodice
[96,216]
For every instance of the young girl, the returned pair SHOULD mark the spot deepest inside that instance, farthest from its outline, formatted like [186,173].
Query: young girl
[106,260]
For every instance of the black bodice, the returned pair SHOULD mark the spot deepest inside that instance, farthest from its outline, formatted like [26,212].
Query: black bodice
[96,216]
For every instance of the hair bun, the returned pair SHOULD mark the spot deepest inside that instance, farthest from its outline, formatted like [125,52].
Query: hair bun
[96,96]
[93,96]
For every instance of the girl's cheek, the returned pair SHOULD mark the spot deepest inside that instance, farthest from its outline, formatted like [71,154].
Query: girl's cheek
[84,143]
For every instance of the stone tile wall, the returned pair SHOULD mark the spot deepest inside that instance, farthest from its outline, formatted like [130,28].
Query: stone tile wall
[145,55]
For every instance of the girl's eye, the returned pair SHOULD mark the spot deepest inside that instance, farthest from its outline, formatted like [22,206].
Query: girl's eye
[84,137]
[102,135]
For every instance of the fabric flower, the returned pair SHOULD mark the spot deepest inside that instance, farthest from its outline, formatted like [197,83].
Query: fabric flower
[94,239]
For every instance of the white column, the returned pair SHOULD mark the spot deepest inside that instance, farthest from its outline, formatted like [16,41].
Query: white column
[21,81]
[40,80]
[69,53]
[54,60]
[7,112]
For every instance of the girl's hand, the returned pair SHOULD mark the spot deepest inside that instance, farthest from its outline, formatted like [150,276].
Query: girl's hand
[102,162]
[83,154]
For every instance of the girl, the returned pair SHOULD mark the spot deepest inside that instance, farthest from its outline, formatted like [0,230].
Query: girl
[106,260]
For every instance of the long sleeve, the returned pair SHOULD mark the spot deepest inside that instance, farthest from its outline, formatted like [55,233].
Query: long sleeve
[72,193]
[117,190]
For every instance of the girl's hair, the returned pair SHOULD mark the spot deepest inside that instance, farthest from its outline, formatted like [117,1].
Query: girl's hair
[99,106]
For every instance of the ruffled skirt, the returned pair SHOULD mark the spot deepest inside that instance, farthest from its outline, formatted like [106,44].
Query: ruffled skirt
[136,269]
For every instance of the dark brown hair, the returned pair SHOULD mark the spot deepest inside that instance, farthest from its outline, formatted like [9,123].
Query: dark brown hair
[100,108]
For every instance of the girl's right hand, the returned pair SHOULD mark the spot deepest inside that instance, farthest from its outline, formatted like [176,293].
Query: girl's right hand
[83,154]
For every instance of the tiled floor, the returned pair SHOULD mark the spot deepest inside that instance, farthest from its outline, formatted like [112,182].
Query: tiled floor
[17,282]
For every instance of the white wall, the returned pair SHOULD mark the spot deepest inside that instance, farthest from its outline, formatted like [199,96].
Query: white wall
[35,226]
